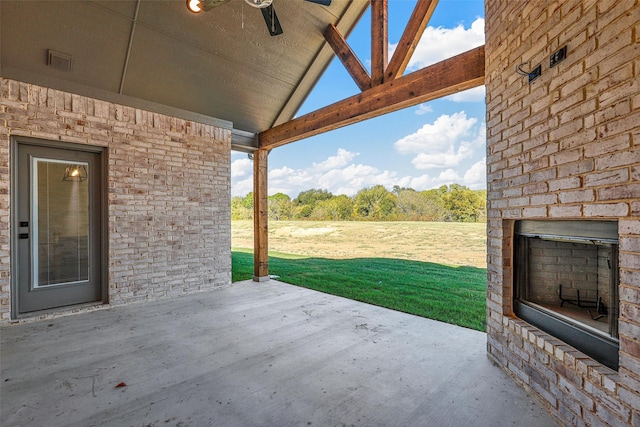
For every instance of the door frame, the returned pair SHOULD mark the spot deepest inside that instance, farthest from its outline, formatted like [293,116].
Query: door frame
[103,218]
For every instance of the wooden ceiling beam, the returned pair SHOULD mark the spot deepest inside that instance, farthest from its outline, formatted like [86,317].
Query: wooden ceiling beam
[410,38]
[347,57]
[379,40]
[452,75]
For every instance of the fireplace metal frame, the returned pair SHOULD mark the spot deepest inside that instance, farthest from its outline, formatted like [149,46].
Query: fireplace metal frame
[601,347]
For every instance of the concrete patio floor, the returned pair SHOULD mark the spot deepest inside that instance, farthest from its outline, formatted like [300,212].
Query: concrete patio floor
[254,354]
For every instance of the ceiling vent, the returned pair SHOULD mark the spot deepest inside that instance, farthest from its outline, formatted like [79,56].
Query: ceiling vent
[59,61]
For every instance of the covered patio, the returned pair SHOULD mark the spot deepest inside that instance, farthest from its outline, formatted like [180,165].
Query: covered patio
[255,354]
[76,93]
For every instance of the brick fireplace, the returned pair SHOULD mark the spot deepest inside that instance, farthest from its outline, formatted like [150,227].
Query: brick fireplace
[566,283]
[564,151]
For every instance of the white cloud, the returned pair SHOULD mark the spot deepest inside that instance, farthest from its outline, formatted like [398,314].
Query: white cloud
[367,177]
[242,187]
[450,158]
[440,43]
[423,182]
[481,137]
[353,177]
[437,137]
[444,143]
[241,167]
[476,94]
[354,174]
[280,173]
[476,177]
[424,109]
[446,146]
[342,178]
[428,182]
[341,159]
[449,176]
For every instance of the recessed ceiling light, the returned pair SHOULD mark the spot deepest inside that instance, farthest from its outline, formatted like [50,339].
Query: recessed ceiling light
[197,6]
[194,6]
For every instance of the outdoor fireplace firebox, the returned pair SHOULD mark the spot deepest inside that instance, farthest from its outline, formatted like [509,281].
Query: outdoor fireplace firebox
[566,283]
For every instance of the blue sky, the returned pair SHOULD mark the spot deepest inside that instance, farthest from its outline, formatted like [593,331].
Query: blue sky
[423,147]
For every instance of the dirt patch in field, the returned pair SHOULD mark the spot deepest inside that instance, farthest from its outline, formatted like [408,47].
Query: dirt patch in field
[303,232]
[438,242]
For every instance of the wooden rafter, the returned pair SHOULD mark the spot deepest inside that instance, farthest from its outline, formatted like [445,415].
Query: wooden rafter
[452,75]
[379,40]
[410,38]
[386,90]
[345,25]
[348,57]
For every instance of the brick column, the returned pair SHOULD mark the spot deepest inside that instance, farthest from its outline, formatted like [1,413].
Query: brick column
[564,147]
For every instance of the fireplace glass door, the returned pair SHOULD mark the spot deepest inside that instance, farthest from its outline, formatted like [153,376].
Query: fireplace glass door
[566,283]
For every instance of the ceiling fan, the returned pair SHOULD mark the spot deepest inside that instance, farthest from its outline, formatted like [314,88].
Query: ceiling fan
[265,6]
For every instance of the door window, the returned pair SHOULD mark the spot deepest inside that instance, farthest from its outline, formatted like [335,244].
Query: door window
[60,203]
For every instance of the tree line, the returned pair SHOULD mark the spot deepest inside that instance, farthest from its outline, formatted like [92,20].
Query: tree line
[452,203]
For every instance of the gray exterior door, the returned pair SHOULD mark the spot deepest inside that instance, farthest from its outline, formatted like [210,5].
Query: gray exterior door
[57,228]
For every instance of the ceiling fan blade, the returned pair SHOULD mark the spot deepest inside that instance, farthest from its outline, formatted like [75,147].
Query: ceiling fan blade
[271,19]
[207,5]
[322,2]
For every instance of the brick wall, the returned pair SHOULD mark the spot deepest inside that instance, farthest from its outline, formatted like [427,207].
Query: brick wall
[168,190]
[566,146]
[575,266]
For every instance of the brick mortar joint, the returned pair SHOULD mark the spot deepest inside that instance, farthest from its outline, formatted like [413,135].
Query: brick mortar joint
[119,119]
[527,331]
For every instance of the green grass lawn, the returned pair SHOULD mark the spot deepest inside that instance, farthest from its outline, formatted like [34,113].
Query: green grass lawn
[452,294]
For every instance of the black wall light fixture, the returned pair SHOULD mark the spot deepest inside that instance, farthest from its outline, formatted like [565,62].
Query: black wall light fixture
[532,75]
[556,57]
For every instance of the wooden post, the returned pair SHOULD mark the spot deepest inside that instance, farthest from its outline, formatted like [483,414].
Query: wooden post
[260,217]
[379,40]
